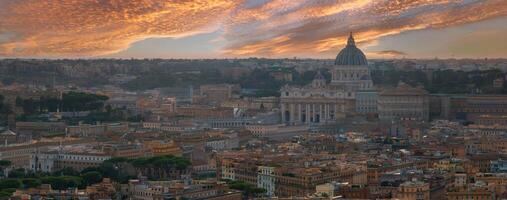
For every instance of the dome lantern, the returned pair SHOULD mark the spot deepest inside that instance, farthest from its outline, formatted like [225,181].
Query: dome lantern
[351,55]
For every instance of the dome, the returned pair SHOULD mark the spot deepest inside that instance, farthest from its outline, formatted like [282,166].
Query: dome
[319,76]
[351,55]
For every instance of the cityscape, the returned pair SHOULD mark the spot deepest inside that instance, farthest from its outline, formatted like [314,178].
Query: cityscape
[253,99]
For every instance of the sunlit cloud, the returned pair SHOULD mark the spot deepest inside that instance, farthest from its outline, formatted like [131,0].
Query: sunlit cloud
[386,54]
[322,26]
[67,28]
[91,27]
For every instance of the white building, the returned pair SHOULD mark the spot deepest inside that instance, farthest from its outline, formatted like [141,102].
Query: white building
[321,102]
[77,157]
[227,142]
[266,179]
[87,130]
[263,129]
[228,122]
[267,130]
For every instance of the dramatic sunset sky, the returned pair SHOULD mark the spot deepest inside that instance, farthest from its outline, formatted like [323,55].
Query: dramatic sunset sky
[246,28]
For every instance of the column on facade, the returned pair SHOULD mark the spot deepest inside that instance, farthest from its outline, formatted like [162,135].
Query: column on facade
[292,112]
[307,113]
[321,117]
[333,107]
[313,112]
[324,112]
[317,107]
[300,112]
[327,111]
[330,111]
[335,110]
[324,117]
[283,112]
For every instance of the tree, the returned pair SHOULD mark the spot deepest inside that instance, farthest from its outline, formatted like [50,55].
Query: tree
[71,101]
[90,178]
[6,193]
[90,169]
[10,183]
[62,182]
[17,173]
[5,163]
[4,111]
[29,106]
[67,171]
[110,170]
[31,182]
[247,188]
[19,102]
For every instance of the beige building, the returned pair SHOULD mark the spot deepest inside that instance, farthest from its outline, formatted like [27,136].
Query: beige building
[205,112]
[489,120]
[81,156]
[285,175]
[89,130]
[403,103]
[498,83]
[321,102]
[162,148]
[475,191]
[471,107]
[20,154]
[413,190]
[35,128]
[266,130]
[326,188]
[215,93]
[77,157]
[169,104]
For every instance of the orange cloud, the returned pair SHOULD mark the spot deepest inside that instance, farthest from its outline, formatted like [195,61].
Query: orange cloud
[250,27]
[316,27]
[386,54]
[91,27]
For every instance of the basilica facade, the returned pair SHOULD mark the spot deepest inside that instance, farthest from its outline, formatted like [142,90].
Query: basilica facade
[322,102]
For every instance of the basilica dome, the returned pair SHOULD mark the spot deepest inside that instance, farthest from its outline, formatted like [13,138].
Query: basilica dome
[351,55]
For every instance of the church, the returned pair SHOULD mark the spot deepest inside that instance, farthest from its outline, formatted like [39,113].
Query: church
[322,102]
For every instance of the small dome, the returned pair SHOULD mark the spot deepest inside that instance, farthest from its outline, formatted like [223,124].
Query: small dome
[351,55]
[319,76]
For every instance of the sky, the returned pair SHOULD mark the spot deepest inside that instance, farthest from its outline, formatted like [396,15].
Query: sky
[252,28]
